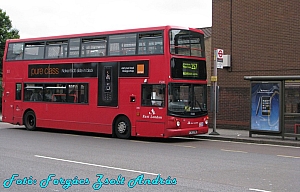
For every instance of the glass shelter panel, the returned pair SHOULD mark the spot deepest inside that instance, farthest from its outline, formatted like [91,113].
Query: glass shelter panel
[292,97]
[292,107]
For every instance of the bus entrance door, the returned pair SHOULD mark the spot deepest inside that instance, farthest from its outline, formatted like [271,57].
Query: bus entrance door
[12,111]
[7,103]
[18,110]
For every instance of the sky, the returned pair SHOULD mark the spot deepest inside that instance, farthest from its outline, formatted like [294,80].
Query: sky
[39,18]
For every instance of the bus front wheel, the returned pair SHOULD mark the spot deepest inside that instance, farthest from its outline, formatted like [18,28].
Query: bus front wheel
[30,121]
[123,127]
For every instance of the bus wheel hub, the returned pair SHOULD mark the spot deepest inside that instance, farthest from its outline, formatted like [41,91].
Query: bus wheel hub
[121,127]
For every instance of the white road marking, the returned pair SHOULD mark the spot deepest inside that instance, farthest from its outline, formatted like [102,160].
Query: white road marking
[289,156]
[95,165]
[233,151]
[186,146]
[259,190]
[136,141]
[69,134]
[101,138]
[222,141]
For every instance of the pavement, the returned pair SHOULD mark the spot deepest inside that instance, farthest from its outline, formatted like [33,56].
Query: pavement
[243,136]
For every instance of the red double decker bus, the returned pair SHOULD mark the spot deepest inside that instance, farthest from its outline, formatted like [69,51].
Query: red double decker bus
[148,82]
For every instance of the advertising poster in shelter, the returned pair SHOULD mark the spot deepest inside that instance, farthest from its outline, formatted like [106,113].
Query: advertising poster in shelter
[265,106]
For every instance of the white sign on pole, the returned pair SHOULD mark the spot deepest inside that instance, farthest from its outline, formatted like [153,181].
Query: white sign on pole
[219,58]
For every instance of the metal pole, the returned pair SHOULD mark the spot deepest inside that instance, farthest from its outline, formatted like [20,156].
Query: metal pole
[214,132]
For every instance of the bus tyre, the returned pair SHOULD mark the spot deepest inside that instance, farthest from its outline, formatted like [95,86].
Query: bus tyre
[123,127]
[30,121]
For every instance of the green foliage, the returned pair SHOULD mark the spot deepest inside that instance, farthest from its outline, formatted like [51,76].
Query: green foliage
[6,32]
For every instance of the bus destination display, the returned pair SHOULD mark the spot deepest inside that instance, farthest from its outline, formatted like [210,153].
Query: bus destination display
[190,69]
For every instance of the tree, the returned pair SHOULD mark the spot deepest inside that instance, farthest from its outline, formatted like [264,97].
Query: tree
[6,32]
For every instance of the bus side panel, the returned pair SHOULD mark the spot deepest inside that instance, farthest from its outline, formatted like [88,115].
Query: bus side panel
[75,125]
[71,117]
[149,129]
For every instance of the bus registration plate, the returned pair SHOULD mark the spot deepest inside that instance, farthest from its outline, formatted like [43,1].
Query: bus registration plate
[192,132]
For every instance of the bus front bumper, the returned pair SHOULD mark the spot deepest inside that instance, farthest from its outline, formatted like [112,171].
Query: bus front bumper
[185,132]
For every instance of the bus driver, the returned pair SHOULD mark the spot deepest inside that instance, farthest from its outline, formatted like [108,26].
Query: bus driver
[156,98]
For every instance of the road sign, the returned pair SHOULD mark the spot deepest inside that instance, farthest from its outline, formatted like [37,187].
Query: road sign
[213,78]
[220,53]
[219,58]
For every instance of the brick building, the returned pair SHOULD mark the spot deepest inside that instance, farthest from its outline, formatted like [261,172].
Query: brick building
[207,42]
[262,38]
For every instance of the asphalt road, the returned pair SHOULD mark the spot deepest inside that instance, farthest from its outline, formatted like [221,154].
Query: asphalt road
[51,160]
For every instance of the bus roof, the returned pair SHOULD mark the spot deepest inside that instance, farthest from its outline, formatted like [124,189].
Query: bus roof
[105,33]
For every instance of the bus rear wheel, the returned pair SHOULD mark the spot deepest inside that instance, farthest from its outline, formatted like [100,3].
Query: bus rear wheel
[30,121]
[122,127]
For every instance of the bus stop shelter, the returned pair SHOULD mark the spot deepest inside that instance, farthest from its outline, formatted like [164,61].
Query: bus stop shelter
[274,105]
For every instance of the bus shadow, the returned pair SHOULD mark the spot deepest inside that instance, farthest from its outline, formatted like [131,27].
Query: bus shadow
[92,134]
[166,140]
[60,131]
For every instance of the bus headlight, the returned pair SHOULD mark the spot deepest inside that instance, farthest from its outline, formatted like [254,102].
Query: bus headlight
[178,123]
[206,121]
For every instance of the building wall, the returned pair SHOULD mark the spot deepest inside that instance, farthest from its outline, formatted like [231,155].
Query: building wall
[262,38]
[208,56]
